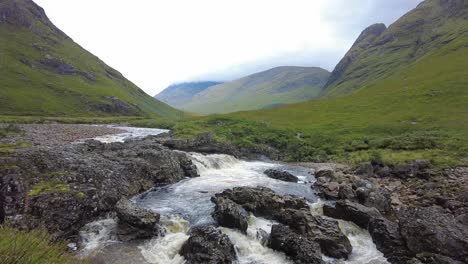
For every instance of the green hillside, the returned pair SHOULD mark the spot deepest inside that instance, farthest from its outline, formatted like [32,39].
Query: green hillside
[44,73]
[180,94]
[277,86]
[418,109]
[380,52]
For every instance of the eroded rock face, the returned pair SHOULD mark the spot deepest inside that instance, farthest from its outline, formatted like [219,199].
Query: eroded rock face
[354,212]
[207,245]
[432,230]
[64,187]
[299,248]
[295,213]
[135,222]
[387,238]
[229,214]
[281,175]
[262,201]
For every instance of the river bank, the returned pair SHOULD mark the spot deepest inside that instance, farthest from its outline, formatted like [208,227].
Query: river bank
[67,186]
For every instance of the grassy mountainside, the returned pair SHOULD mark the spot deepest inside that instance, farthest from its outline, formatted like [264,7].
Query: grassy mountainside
[380,52]
[44,73]
[277,86]
[417,110]
[178,95]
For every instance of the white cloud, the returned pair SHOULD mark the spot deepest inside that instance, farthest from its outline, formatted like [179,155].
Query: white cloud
[155,43]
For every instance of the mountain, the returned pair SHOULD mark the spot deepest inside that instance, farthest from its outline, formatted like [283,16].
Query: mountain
[277,86]
[45,73]
[398,99]
[178,95]
[380,52]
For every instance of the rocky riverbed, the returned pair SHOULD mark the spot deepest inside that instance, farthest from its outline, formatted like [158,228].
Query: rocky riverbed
[408,212]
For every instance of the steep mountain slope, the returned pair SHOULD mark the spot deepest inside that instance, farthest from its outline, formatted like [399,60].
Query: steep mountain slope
[178,95]
[281,85]
[43,72]
[380,52]
[415,109]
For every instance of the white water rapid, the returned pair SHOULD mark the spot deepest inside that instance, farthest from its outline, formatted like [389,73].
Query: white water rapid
[187,203]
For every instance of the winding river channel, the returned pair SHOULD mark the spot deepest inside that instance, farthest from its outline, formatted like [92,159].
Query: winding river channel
[187,203]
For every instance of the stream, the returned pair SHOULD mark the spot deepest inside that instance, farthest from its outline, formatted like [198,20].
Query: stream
[187,203]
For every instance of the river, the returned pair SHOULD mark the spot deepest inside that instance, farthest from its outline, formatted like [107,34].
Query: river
[187,203]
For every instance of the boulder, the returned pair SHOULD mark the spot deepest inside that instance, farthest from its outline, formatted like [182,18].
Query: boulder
[262,201]
[326,232]
[135,222]
[353,212]
[295,213]
[281,175]
[432,230]
[324,172]
[429,258]
[387,238]
[298,248]
[365,169]
[229,214]
[207,245]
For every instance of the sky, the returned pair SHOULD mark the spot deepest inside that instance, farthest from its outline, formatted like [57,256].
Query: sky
[155,43]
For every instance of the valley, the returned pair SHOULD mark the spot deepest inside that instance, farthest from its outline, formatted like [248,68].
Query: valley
[367,163]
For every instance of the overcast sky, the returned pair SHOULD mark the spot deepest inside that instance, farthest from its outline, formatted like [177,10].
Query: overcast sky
[155,43]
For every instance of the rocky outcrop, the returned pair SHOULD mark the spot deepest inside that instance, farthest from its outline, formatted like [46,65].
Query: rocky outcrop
[207,245]
[406,170]
[326,232]
[206,143]
[64,187]
[229,214]
[300,249]
[434,231]
[359,214]
[135,222]
[387,238]
[263,201]
[295,213]
[281,175]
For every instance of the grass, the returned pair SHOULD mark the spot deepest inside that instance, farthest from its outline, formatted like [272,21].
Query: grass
[29,88]
[277,86]
[48,187]
[21,247]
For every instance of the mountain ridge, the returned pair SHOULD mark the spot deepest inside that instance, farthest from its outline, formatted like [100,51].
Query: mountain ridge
[279,85]
[179,94]
[45,73]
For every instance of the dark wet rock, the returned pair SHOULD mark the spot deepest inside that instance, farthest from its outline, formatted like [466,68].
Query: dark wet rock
[354,212]
[463,219]
[207,245]
[326,232]
[135,222]
[324,172]
[295,213]
[412,169]
[74,184]
[281,175]
[365,169]
[346,192]
[378,198]
[300,249]
[229,214]
[262,201]
[433,230]
[387,238]
[429,258]
[262,236]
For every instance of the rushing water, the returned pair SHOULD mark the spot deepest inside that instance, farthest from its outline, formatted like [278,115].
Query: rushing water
[187,203]
[131,133]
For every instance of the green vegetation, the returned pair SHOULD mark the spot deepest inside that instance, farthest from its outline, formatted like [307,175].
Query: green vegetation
[45,73]
[178,95]
[277,86]
[404,110]
[21,247]
[49,187]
